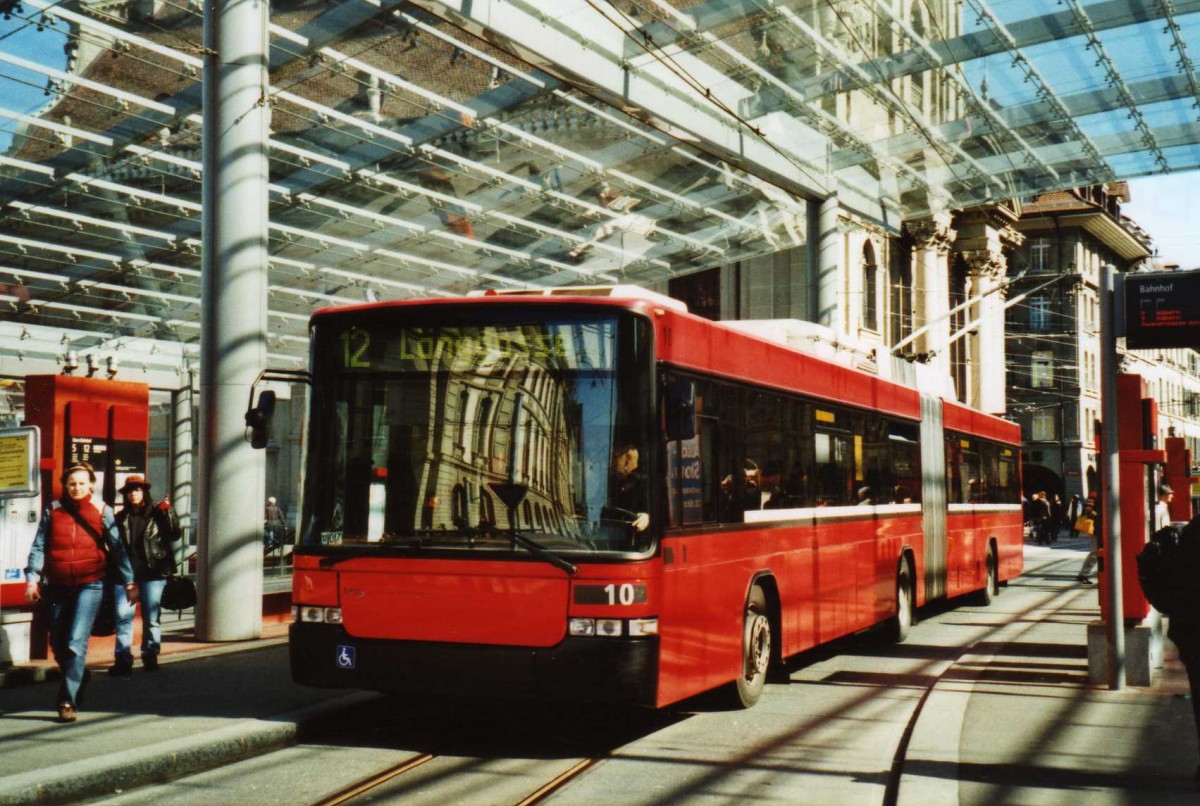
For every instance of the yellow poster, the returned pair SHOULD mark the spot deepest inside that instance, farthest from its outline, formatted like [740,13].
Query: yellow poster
[18,453]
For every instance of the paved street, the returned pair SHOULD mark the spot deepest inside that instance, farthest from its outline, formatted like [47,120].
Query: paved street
[980,706]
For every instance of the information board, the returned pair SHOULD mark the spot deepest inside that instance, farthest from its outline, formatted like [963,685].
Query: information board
[1162,309]
[19,452]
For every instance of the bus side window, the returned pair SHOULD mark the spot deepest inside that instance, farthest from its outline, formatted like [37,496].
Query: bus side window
[835,464]
[710,480]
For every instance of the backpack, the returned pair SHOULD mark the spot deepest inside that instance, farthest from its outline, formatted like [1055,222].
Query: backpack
[1161,573]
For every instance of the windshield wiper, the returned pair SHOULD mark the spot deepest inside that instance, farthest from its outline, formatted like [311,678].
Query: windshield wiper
[541,552]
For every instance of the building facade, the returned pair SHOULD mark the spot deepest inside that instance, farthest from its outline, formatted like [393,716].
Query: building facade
[1053,346]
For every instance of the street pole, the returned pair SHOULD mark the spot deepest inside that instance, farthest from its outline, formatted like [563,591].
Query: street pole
[1112,479]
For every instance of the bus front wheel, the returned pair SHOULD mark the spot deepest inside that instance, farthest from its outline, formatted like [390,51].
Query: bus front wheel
[756,650]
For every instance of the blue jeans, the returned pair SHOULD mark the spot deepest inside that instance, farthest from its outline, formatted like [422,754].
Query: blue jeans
[151,591]
[72,612]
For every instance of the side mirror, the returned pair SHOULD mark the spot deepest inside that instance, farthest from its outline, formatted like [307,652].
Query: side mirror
[679,410]
[258,419]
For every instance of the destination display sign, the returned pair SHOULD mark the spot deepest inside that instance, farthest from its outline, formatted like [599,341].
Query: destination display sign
[1162,309]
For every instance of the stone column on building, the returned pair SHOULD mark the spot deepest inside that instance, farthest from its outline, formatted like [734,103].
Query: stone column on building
[932,238]
[829,265]
[983,235]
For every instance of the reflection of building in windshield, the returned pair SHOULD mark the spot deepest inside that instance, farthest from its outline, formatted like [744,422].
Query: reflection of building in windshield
[506,413]
[421,429]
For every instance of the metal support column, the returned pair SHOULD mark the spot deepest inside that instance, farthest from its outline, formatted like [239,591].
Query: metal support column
[183,458]
[234,305]
[1112,480]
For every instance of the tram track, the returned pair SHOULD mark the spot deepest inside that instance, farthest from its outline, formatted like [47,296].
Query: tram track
[366,785]
[370,785]
[895,776]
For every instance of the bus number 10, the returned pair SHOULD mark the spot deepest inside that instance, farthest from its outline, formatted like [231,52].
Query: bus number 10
[625,593]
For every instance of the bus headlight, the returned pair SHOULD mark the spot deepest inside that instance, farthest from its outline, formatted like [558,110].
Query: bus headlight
[608,627]
[612,627]
[643,626]
[313,614]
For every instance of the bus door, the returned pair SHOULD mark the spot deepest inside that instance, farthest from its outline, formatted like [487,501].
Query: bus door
[933,496]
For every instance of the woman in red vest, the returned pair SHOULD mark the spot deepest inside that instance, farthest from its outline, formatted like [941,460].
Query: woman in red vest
[77,542]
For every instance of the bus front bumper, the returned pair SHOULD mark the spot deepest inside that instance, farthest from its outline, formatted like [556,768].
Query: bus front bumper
[623,670]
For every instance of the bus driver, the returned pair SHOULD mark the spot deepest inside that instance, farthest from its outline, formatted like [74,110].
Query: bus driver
[626,488]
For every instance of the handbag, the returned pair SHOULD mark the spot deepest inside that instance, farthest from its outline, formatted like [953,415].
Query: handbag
[179,593]
[1084,525]
[106,617]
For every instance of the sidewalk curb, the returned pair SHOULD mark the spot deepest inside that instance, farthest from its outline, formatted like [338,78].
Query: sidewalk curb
[27,675]
[35,672]
[87,779]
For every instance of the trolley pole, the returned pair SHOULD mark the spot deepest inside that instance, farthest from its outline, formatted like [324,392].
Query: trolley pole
[1112,478]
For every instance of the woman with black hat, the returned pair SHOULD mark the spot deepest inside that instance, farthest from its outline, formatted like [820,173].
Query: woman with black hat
[147,531]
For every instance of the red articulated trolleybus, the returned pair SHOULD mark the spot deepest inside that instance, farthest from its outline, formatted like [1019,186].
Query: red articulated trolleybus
[592,494]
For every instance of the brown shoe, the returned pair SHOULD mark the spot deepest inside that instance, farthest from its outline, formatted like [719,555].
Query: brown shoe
[66,713]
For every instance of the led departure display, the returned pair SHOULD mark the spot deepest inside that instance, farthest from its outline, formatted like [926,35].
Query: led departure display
[1162,309]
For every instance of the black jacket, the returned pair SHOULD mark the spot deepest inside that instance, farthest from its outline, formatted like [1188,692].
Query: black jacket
[1183,628]
[150,552]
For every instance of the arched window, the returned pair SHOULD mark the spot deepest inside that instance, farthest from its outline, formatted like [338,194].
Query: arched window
[527,455]
[958,350]
[459,514]
[900,290]
[870,282]
[487,509]
[482,428]
[464,427]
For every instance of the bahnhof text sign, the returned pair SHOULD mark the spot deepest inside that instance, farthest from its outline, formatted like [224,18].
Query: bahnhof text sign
[1162,309]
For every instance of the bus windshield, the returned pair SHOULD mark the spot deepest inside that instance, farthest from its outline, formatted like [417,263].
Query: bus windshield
[430,433]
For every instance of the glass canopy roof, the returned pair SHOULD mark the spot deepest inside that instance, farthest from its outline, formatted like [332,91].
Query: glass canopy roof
[431,148]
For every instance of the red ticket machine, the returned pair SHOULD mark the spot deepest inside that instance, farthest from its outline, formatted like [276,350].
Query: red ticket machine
[91,419]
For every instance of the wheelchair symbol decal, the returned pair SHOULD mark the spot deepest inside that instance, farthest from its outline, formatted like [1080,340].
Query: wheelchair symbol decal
[345,657]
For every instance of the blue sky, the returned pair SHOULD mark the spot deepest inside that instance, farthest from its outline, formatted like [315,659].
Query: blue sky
[1162,206]
[21,90]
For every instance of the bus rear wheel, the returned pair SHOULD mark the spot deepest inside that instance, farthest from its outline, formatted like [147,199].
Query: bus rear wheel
[756,650]
[901,624]
[991,585]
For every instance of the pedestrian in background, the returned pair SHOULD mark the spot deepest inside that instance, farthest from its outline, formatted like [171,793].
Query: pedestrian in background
[76,546]
[274,525]
[1039,513]
[147,531]
[1085,525]
[1162,509]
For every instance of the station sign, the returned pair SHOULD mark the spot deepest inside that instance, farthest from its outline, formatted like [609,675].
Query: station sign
[1162,309]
